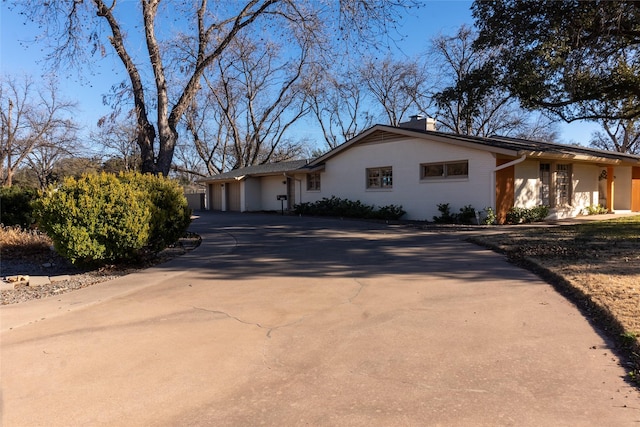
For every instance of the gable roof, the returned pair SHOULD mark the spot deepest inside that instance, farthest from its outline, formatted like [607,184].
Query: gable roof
[514,147]
[259,170]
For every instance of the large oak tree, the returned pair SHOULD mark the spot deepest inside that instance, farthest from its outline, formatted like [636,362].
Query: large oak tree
[149,41]
[573,58]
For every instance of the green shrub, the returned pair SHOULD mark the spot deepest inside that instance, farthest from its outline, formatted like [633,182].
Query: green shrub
[16,206]
[490,216]
[95,219]
[446,217]
[170,213]
[467,215]
[335,206]
[595,210]
[517,215]
[389,212]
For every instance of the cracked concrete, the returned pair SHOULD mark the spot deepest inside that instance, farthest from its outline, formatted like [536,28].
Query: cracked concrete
[301,321]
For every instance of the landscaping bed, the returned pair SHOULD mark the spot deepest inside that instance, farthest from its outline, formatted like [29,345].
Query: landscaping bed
[36,259]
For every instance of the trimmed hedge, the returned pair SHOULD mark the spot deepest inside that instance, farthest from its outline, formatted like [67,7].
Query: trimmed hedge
[336,206]
[102,218]
[170,213]
[527,215]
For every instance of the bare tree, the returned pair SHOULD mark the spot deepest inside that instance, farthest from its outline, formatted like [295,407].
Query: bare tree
[116,135]
[257,91]
[338,103]
[211,142]
[469,101]
[397,86]
[209,27]
[618,135]
[55,145]
[34,117]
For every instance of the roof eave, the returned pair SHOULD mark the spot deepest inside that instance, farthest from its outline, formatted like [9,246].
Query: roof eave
[541,155]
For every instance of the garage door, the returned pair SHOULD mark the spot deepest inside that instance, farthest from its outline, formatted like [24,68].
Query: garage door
[215,196]
[233,196]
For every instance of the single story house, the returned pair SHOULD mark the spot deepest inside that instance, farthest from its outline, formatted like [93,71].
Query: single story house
[420,168]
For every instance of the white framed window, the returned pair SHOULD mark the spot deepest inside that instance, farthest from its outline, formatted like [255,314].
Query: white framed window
[313,181]
[556,184]
[381,177]
[563,184]
[451,170]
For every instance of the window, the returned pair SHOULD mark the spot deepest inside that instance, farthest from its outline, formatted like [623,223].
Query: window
[555,184]
[313,181]
[545,183]
[380,177]
[563,184]
[459,169]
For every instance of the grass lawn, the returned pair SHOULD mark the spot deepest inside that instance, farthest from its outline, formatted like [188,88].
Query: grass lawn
[595,264]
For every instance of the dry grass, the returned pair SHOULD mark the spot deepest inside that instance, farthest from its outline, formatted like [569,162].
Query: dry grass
[596,264]
[17,243]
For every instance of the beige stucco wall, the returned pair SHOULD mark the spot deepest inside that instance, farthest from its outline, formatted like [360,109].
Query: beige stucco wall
[252,194]
[526,184]
[271,187]
[585,187]
[345,177]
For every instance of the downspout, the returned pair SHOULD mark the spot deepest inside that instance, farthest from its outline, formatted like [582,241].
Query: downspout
[511,163]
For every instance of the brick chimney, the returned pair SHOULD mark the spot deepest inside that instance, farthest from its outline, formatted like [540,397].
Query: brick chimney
[419,122]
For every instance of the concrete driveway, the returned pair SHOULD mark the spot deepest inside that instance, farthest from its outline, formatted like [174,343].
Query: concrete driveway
[288,321]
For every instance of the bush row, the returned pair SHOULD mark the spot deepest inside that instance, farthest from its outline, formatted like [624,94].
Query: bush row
[102,218]
[469,215]
[336,206]
[527,215]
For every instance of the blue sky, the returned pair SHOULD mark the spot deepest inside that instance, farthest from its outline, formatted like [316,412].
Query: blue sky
[18,57]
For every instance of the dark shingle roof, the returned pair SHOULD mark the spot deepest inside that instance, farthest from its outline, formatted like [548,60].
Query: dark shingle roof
[515,145]
[265,169]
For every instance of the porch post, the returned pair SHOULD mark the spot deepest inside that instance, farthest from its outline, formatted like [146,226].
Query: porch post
[610,189]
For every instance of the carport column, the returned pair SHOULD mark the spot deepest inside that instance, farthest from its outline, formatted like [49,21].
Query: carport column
[610,189]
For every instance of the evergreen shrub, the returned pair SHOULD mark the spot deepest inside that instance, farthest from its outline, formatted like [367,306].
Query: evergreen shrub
[517,215]
[103,218]
[16,206]
[170,213]
[335,206]
[467,215]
